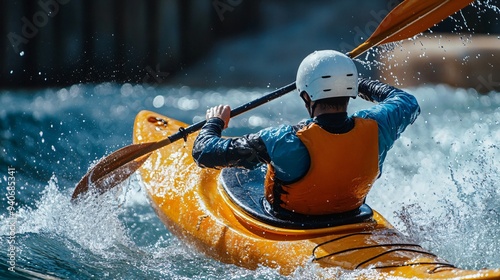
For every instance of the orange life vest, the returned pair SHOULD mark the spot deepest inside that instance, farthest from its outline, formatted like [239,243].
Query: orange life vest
[342,171]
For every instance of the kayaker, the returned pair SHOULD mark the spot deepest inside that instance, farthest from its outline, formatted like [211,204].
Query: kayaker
[328,163]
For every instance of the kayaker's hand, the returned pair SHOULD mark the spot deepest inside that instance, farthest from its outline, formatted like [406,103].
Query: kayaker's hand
[222,112]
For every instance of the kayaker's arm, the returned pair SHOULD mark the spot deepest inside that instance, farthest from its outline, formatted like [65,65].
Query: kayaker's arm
[209,147]
[212,151]
[400,107]
[376,91]
[396,109]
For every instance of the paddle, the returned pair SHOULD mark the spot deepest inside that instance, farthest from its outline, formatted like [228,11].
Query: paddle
[408,19]
[118,166]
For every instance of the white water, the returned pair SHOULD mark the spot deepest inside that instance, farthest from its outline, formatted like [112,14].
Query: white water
[440,186]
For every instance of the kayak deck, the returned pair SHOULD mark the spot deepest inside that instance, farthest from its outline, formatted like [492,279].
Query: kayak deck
[245,190]
[194,206]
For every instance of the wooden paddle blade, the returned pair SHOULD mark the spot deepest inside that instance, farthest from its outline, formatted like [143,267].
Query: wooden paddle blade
[408,19]
[435,12]
[113,169]
[114,178]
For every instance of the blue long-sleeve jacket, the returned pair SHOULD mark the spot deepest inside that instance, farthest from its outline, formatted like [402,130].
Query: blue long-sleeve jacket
[279,146]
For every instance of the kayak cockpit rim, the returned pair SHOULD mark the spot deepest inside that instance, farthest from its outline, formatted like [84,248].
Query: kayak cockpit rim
[242,190]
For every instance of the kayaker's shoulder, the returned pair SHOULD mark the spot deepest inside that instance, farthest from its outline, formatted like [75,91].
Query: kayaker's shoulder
[282,130]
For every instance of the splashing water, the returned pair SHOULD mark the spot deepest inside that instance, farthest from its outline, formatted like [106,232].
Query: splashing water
[446,169]
[440,183]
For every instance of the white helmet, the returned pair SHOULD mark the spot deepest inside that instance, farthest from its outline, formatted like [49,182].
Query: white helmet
[326,74]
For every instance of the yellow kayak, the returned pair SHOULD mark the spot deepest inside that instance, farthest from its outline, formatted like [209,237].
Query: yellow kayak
[222,214]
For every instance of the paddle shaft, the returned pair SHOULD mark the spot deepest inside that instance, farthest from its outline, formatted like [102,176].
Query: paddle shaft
[235,112]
